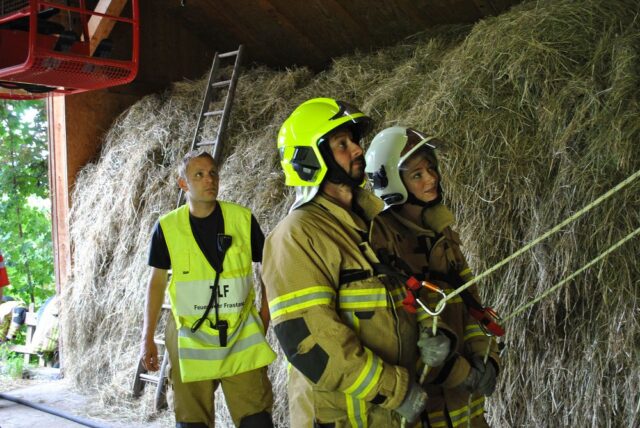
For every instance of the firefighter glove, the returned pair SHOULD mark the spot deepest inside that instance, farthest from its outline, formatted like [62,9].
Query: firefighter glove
[487,382]
[433,349]
[413,404]
[470,384]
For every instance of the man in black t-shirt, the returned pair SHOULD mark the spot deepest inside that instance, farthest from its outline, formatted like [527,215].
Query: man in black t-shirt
[216,335]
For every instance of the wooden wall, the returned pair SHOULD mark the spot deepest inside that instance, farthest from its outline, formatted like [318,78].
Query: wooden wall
[178,42]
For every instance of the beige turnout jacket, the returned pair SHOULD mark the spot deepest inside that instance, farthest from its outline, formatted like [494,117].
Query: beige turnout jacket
[351,345]
[431,251]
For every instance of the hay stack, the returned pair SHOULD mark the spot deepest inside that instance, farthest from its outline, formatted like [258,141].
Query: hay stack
[540,106]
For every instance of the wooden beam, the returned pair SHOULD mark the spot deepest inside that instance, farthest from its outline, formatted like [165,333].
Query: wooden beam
[351,25]
[309,45]
[15,92]
[100,27]
[413,13]
[58,186]
[237,27]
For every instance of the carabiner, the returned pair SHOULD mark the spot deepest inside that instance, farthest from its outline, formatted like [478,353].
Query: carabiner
[441,304]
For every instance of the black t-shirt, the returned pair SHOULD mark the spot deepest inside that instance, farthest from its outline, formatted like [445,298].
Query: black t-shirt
[205,231]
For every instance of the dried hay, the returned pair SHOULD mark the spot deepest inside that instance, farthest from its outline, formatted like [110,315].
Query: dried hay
[540,106]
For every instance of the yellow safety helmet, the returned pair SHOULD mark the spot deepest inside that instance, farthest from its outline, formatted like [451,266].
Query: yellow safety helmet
[303,131]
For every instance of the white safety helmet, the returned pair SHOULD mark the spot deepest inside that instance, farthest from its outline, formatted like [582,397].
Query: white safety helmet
[389,149]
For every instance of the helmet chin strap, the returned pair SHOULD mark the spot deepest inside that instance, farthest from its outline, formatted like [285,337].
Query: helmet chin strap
[337,175]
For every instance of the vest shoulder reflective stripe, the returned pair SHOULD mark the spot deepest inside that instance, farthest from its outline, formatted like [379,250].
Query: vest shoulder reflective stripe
[190,290]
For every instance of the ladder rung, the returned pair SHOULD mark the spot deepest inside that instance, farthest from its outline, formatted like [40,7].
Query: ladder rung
[228,54]
[221,83]
[213,113]
[149,378]
[158,341]
[206,143]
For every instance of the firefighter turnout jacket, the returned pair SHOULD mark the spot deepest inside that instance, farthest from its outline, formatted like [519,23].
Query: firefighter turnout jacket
[201,354]
[432,252]
[340,323]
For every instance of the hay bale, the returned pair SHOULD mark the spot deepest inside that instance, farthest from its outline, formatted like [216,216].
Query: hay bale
[540,109]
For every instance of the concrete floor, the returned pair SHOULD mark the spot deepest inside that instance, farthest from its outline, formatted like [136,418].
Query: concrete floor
[58,395]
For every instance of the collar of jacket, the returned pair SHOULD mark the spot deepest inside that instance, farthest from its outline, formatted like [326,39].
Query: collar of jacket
[437,217]
[434,219]
[370,204]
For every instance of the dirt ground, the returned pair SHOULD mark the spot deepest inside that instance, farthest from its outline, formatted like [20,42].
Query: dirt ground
[55,394]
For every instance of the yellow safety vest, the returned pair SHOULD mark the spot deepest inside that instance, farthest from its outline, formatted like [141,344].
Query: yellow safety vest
[201,356]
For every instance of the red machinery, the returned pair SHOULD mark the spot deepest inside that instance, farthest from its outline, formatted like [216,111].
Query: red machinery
[39,55]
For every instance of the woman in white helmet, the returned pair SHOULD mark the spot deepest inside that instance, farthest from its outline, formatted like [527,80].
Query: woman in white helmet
[414,234]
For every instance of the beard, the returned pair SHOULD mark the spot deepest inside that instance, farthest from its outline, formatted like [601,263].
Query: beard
[356,168]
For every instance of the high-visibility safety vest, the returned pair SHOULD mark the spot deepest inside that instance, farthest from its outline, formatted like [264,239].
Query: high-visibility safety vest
[4,278]
[201,356]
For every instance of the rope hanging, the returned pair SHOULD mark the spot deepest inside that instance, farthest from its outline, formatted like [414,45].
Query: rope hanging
[541,238]
[573,275]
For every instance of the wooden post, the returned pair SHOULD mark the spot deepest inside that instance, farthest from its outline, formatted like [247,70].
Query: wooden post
[99,27]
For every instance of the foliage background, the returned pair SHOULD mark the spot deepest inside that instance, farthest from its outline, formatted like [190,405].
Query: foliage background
[25,208]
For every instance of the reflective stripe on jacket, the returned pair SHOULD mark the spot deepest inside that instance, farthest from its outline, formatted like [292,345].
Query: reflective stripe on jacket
[340,324]
[201,356]
[451,410]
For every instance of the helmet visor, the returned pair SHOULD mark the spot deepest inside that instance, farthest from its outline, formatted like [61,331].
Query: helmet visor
[415,138]
[417,141]
[346,110]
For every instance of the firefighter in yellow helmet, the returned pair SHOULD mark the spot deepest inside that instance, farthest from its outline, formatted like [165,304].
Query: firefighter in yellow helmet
[338,318]
[216,335]
[414,234]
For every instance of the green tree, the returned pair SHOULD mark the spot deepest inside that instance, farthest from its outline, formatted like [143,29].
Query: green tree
[25,208]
